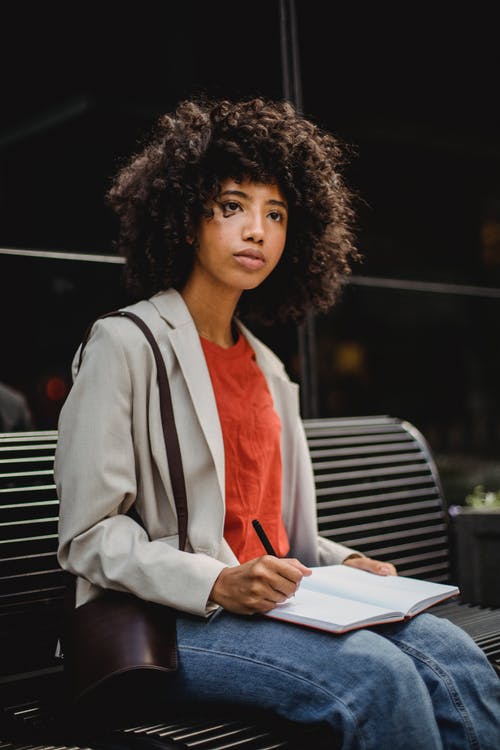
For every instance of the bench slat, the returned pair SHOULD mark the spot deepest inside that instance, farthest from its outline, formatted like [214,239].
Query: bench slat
[378,490]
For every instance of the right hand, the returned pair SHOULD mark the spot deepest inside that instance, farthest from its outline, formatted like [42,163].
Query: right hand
[258,585]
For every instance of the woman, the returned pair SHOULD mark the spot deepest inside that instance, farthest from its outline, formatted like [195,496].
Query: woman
[234,210]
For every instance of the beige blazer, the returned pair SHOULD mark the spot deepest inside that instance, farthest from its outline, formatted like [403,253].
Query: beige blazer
[110,454]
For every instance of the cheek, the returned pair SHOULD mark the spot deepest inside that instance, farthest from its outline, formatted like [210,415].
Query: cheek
[211,232]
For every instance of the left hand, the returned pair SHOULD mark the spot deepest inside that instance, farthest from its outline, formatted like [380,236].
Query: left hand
[371,565]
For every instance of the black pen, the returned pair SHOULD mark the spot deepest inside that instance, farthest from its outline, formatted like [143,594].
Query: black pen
[263,538]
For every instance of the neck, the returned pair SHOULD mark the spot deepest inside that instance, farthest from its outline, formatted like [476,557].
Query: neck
[212,317]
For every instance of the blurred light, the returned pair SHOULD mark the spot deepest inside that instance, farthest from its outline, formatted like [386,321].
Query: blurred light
[490,237]
[349,358]
[56,389]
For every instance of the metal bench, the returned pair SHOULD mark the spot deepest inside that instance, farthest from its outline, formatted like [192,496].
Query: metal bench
[377,490]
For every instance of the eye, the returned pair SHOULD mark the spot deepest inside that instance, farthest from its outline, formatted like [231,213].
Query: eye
[229,207]
[275,215]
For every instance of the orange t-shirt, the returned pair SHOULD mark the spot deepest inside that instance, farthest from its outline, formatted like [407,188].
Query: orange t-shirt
[251,430]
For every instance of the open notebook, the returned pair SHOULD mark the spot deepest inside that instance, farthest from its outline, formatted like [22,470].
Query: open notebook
[339,598]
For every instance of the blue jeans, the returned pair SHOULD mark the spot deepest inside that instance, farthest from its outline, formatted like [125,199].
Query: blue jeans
[420,684]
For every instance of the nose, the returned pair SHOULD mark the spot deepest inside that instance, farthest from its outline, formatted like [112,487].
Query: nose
[253,230]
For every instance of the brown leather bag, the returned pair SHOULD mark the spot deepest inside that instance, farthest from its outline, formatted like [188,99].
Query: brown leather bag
[119,645]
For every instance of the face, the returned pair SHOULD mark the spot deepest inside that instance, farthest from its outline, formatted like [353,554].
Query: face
[241,242]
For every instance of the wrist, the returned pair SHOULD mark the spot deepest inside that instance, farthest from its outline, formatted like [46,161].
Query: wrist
[216,591]
[352,556]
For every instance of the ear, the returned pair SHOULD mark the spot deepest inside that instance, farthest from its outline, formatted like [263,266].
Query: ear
[191,232]
[191,239]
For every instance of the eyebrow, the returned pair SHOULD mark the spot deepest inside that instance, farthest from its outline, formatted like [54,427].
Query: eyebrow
[241,194]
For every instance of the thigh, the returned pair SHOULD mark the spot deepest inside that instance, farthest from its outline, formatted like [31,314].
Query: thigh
[436,640]
[269,653]
[463,685]
[363,685]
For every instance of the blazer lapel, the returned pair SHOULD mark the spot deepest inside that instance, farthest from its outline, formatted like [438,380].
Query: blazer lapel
[186,345]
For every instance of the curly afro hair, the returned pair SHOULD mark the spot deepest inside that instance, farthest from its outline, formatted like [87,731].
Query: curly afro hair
[159,196]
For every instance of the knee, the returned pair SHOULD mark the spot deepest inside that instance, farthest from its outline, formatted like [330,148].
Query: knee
[388,698]
[391,670]
[383,671]
[441,640]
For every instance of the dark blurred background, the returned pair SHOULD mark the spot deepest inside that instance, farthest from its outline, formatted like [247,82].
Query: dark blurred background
[415,333]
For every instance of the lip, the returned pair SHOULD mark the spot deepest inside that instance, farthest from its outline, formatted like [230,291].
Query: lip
[251,259]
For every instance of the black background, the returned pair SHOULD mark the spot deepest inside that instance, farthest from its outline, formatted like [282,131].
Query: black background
[415,94]
[413,89]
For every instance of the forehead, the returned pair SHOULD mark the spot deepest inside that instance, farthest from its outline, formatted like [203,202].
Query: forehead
[252,190]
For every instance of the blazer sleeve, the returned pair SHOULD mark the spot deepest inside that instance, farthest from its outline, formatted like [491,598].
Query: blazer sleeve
[95,473]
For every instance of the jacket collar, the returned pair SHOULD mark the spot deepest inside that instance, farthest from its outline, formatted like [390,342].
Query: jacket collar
[172,308]
[185,342]
[174,311]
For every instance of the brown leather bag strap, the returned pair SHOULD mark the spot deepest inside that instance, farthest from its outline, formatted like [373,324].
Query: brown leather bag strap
[168,424]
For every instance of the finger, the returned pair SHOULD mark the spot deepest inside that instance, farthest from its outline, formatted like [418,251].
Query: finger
[293,569]
[383,568]
[288,568]
[291,576]
[300,566]
[388,569]
[283,586]
[269,578]
[372,566]
[264,599]
[281,575]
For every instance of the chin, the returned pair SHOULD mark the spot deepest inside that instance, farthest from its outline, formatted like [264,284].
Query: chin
[253,282]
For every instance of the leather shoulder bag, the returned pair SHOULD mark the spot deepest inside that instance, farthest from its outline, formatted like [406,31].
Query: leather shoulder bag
[118,645]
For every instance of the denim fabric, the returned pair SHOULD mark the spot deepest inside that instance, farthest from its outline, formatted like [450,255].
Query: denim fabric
[420,684]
